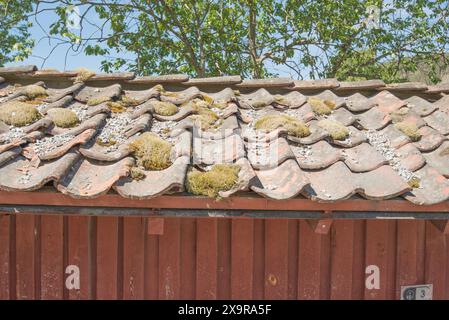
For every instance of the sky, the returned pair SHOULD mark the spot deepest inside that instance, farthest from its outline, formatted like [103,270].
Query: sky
[57,56]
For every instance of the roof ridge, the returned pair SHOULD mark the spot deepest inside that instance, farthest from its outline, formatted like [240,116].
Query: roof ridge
[32,72]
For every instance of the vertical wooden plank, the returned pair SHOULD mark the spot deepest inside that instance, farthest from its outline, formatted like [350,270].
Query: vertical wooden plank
[188,258]
[259,259]
[206,261]
[276,259]
[107,258]
[78,253]
[5,265]
[26,235]
[358,270]
[447,264]
[224,259]
[410,253]
[169,260]
[346,274]
[313,264]
[52,248]
[242,259]
[152,267]
[293,245]
[436,268]
[134,230]
[381,253]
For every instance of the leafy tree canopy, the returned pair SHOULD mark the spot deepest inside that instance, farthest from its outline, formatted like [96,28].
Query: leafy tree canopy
[15,44]
[347,39]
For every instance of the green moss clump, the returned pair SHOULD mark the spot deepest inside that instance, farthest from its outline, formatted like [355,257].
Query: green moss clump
[151,152]
[19,114]
[137,174]
[116,107]
[293,126]
[33,92]
[168,93]
[108,143]
[219,104]
[64,118]
[414,182]
[208,99]
[280,99]
[222,177]
[399,115]
[335,129]
[320,106]
[159,88]
[129,102]
[409,129]
[165,108]
[83,74]
[258,104]
[97,101]
[206,118]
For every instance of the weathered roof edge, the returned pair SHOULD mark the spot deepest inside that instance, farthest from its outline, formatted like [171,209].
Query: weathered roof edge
[241,202]
[31,72]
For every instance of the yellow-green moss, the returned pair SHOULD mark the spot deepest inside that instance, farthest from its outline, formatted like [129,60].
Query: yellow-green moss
[335,129]
[129,102]
[97,100]
[206,118]
[159,88]
[320,106]
[399,115]
[280,99]
[414,182]
[222,177]
[33,92]
[137,174]
[293,126]
[208,99]
[409,129]
[219,104]
[108,143]
[165,108]
[62,117]
[83,74]
[258,104]
[151,152]
[116,106]
[169,94]
[19,114]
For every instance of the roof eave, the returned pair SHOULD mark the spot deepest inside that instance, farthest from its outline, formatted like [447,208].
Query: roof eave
[48,198]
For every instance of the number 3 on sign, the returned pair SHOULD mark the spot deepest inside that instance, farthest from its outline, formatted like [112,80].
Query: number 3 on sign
[373,277]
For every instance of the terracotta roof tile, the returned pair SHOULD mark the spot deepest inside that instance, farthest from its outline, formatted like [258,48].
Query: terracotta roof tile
[224,80]
[266,83]
[4,71]
[321,84]
[361,85]
[273,164]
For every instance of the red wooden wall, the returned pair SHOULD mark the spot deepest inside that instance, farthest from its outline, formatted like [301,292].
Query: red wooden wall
[216,258]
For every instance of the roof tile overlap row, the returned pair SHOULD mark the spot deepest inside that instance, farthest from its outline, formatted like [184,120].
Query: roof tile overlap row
[376,160]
